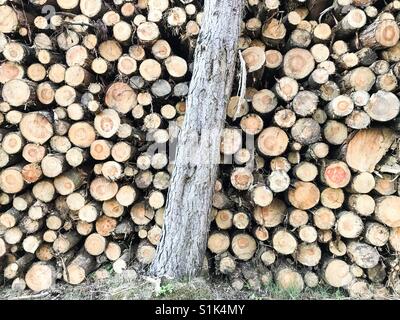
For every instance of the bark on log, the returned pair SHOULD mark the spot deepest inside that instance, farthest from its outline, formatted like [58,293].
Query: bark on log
[169,261]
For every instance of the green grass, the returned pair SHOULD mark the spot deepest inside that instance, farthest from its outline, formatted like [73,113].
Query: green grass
[129,285]
[272,290]
[165,290]
[321,292]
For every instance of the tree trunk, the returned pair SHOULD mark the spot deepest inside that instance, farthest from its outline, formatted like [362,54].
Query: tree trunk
[194,175]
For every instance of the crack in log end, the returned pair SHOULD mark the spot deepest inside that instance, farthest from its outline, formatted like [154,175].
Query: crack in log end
[296,150]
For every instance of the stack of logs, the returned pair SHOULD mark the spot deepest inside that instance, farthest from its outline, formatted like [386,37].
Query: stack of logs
[307,193]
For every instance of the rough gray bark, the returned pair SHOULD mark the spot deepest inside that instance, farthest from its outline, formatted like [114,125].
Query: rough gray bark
[186,223]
